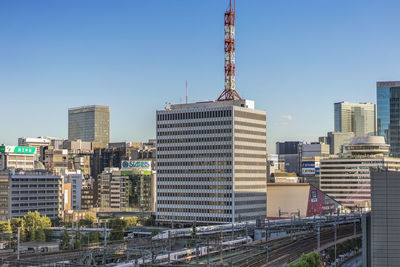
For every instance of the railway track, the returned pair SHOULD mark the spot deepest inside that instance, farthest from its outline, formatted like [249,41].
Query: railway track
[289,252]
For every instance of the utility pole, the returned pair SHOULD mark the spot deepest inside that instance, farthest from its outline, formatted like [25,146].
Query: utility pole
[105,234]
[18,240]
[318,237]
[169,247]
[335,243]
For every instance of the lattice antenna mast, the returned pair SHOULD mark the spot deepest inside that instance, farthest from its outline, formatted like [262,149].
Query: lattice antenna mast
[229,92]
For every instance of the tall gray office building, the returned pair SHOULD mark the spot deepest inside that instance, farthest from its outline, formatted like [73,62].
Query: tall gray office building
[89,123]
[211,162]
[385,218]
[359,118]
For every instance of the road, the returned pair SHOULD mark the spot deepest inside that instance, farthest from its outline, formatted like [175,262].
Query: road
[354,262]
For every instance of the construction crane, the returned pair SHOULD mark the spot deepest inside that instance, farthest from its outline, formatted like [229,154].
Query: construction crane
[229,92]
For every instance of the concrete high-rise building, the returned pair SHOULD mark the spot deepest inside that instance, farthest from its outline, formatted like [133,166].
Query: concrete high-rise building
[289,153]
[89,123]
[113,190]
[73,191]
[211,162]
[347,178]
[37,190]
[337,140]
[359,118]
[385,219]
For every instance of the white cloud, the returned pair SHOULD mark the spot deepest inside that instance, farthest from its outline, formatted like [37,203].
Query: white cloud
[287,117]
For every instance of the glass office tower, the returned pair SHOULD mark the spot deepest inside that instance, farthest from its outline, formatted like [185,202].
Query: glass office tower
[89,123]
[388,114]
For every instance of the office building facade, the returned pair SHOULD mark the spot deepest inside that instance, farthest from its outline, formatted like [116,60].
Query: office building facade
[89,123]
[211,162]
[385,219]
[383,107]
[15,157]
[347,178]
[359,118]
[37,190]
[337,140]
[113,190]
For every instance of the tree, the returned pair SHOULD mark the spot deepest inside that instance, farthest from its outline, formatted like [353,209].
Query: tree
[35,225]
[117,229]
[130,221]
[65,240]
[87,221]
[18,222]
[40,235]
[94,237]
[77,243]
[312,259]
[5,227]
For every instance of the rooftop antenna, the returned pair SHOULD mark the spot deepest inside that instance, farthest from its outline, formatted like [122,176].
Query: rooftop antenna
[230,92]
[186,93]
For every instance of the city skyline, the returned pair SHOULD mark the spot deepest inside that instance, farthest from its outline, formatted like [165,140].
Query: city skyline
[295,63]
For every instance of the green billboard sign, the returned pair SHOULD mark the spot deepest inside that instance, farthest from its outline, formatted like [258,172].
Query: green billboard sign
[18,149]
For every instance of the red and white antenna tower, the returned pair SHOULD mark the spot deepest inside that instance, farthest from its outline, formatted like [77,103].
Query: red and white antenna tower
[229,92]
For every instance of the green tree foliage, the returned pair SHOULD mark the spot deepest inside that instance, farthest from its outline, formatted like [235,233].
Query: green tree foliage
[312,259]
[77,243]
[5,227]
[94,237]
[117,229]
[154,232]
[33,227]
[150,221]
[18,222]
[130,221]
[87,221]
[40,235]
[65,240]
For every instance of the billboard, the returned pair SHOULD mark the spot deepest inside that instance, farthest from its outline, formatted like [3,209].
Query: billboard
[310,167]
[136,167]
[18,149]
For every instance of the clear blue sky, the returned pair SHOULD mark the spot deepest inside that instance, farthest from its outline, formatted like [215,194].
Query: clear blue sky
[294,58]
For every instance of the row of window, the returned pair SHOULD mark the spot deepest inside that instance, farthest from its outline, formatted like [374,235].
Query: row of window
[193,140]
[33,198]
[193,124]
[194,179]
[194,115]
[34,185]
[209,171]
[197,163]
[208,194]
[34,204]
[195,132]
[194,202]
[191,210]
[197,187]
[185,148]
[198,155]
[192,218]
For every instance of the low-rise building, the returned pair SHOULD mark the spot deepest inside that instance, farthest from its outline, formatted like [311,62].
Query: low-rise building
[56,160]
[16,157]
[285,200]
